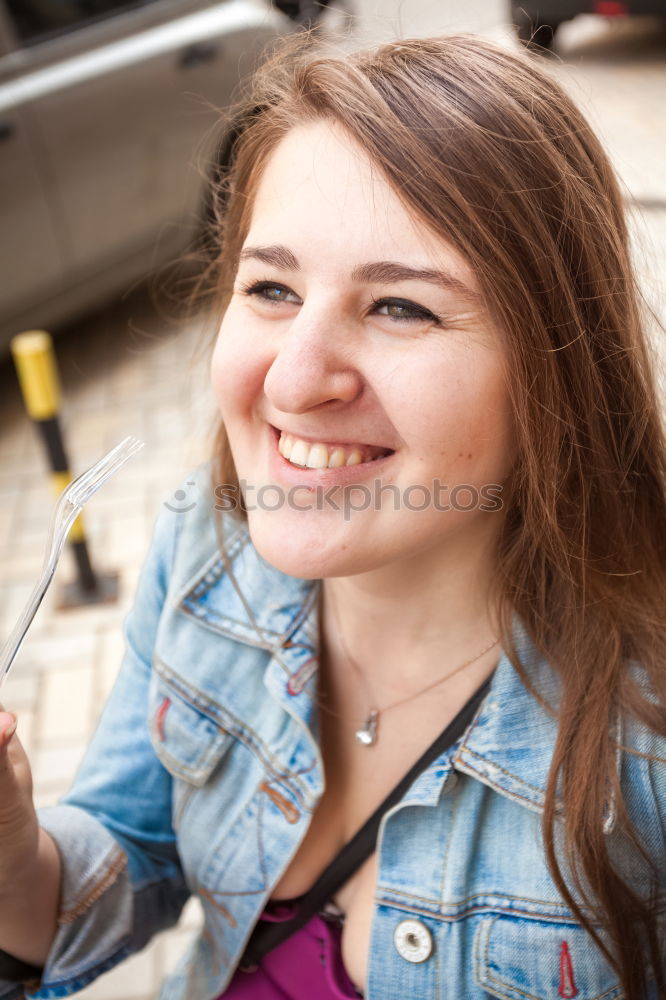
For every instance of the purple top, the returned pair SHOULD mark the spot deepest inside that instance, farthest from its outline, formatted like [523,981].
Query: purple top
[307,964]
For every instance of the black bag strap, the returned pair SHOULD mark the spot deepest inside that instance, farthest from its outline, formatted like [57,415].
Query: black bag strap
[268,934]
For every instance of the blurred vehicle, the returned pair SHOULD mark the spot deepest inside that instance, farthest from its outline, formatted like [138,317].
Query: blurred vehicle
[104,108]
[538,22]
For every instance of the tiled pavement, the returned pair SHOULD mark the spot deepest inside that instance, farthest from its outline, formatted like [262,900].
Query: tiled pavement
[135,371]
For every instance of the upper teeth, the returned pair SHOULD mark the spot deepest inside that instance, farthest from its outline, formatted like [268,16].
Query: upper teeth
[319,456]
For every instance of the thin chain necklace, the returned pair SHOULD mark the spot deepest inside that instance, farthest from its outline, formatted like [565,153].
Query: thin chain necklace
[367,735]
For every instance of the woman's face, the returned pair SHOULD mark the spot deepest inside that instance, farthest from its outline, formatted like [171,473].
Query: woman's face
[361,336]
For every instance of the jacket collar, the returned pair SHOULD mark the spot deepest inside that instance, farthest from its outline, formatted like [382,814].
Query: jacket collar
[508,745]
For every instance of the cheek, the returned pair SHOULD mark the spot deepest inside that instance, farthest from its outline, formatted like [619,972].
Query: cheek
[486,440]
[459,414]
[237,369]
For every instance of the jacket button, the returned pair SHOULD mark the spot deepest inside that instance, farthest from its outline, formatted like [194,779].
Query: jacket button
[413,940]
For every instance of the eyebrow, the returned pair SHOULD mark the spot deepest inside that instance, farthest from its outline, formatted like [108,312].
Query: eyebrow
[379,271]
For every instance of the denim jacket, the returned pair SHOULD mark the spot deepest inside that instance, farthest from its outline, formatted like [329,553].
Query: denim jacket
[205,770]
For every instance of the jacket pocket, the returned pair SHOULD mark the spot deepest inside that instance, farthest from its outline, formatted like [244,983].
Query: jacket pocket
[187,742]
[530,959]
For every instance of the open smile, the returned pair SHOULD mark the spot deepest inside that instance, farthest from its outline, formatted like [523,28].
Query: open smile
[300,461]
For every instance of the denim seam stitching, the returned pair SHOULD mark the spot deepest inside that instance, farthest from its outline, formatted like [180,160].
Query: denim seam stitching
[116,865]
[486,967]
[187,600]
[563,918]
[240,732]
[477,895]
[198,615]
[509,774]
[465,766]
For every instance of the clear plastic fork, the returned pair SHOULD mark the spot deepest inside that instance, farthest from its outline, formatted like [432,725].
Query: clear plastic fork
[67,509]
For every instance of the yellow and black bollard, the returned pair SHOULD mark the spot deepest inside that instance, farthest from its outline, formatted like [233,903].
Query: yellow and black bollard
[38,379]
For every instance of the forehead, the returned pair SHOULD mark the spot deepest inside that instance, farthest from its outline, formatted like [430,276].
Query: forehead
[320,192]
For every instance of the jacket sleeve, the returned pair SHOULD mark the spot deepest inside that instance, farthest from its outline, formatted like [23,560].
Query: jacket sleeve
[122,881]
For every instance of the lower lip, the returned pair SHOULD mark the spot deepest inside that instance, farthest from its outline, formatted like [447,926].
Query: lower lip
[296,475]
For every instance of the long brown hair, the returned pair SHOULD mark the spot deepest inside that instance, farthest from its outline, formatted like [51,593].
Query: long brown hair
[489,152]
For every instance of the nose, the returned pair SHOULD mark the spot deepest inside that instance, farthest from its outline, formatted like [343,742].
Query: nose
[314,364]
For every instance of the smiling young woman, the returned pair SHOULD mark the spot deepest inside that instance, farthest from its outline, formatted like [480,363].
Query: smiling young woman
[398,719]
[353,343]
[423,249]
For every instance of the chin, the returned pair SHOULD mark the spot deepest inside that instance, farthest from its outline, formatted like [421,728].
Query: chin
[303,551]
[282,545]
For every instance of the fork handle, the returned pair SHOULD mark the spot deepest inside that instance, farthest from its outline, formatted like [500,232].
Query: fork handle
[54,548]
[18,633]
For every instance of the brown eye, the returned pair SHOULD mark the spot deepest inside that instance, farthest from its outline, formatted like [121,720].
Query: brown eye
[397,311]
[404,310]
[271,292]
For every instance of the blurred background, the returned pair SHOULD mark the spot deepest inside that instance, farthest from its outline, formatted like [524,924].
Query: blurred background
[109,117]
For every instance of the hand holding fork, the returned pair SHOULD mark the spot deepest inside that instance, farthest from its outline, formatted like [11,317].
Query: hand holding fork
[69,505]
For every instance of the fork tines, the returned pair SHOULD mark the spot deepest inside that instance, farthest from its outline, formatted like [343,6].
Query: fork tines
[88,483]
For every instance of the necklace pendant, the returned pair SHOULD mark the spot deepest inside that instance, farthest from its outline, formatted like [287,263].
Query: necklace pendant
[367,734]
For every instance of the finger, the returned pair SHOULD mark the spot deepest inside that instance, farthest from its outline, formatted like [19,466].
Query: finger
[11,754]
[8,723]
